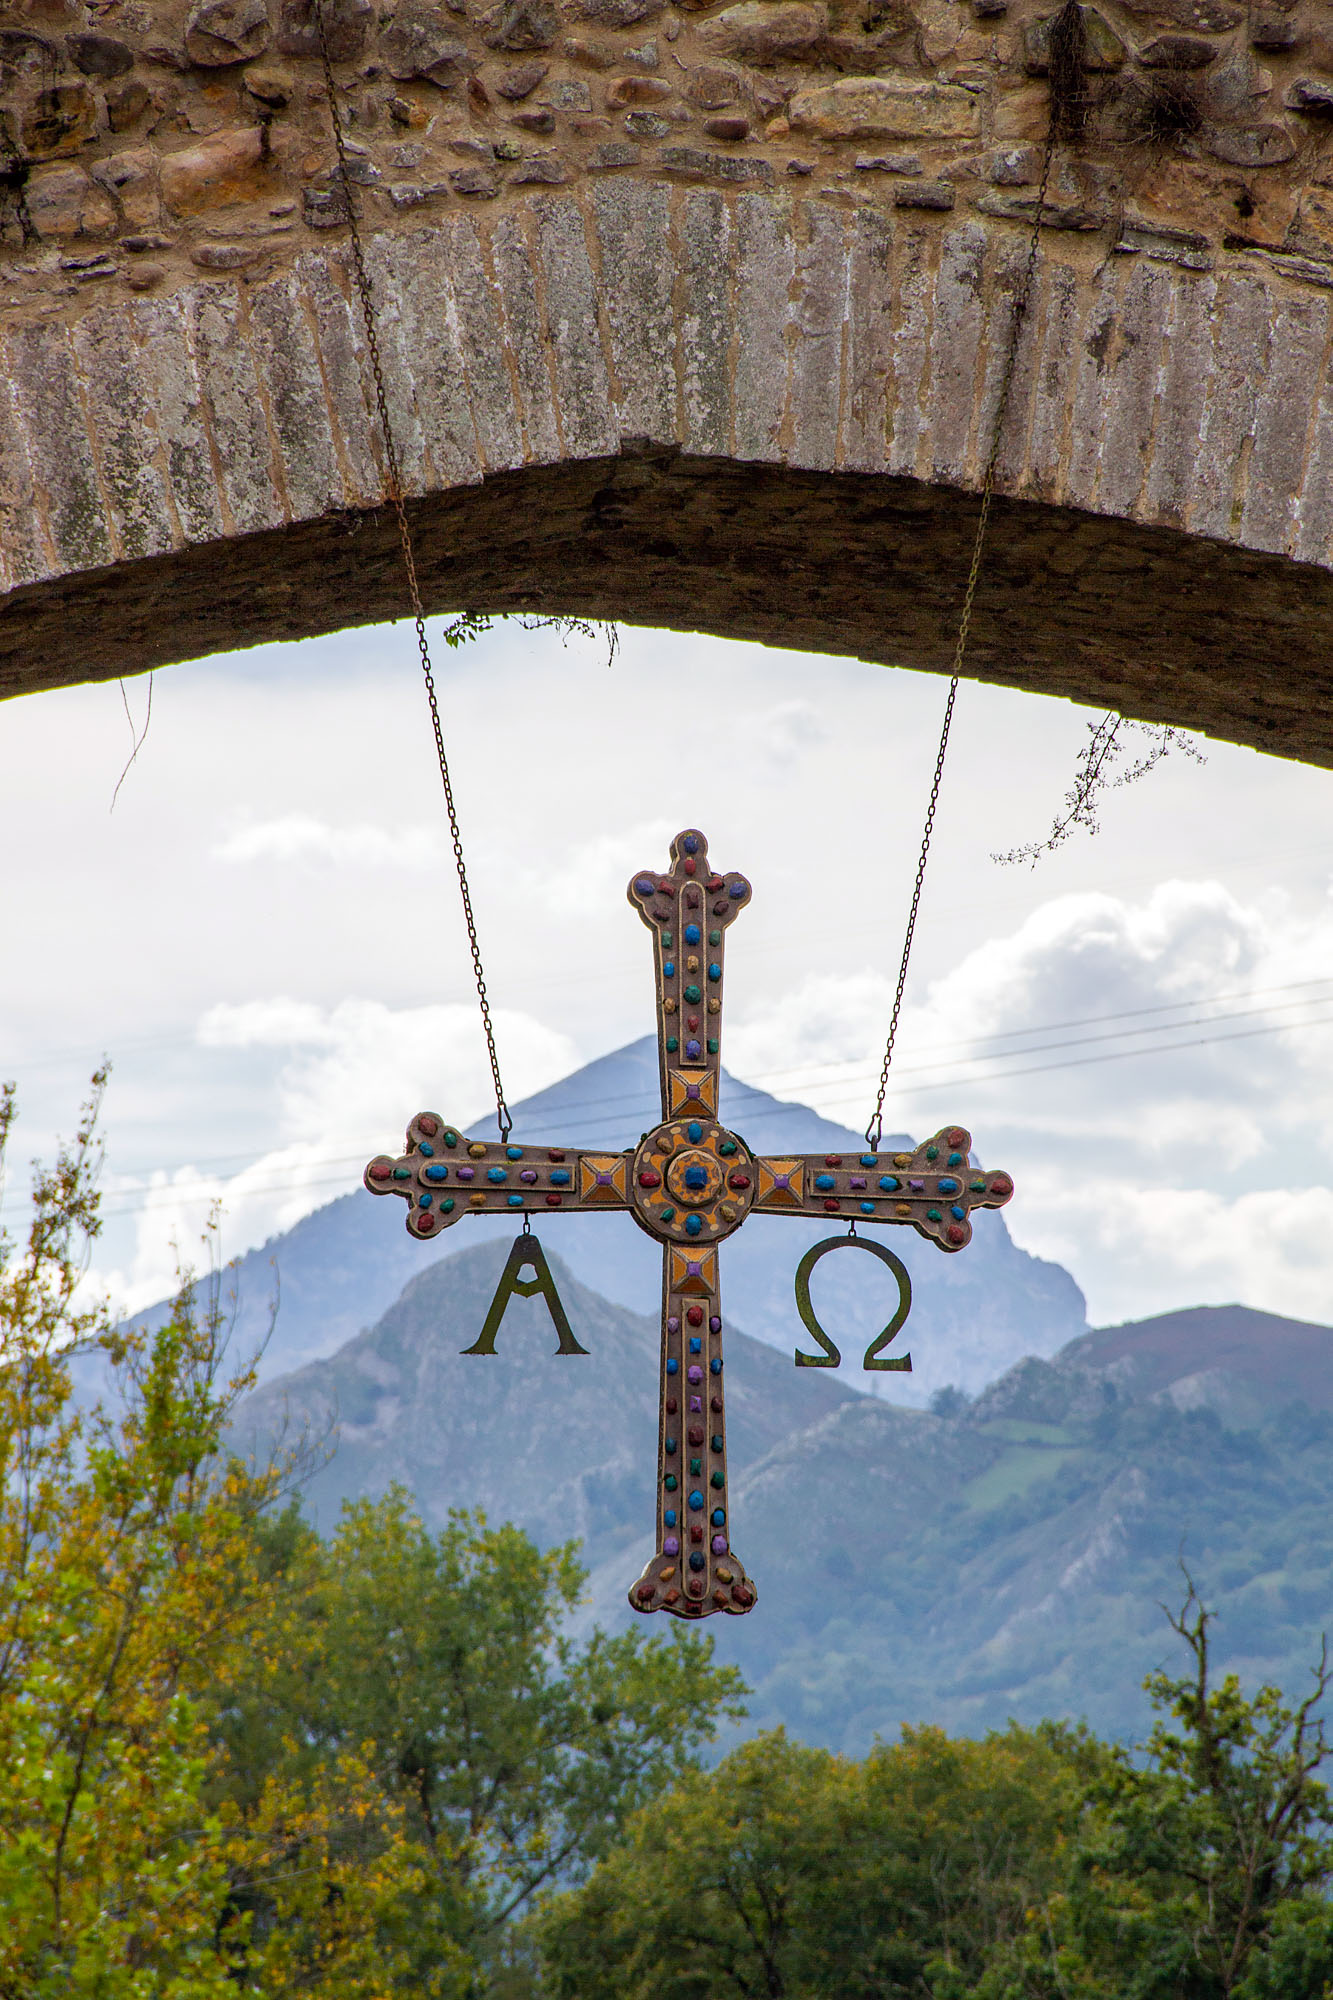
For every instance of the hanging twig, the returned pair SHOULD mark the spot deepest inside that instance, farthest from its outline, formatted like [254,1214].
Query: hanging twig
[137,739]
[1096,773]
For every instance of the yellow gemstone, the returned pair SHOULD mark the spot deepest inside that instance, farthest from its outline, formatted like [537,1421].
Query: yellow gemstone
[668,1006]
[723,1575]
[691,964]
[715,1006]
[476,1150]
[902,1159]
[665,1575]
[901,1208]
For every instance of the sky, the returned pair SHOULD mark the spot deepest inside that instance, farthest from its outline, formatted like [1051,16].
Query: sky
[263,936]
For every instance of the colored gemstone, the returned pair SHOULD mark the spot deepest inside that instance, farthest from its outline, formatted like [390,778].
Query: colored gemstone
[718,1517]
[402,1173]
[917,1187]
[450,1137]
[781,1181]
[956,1160]
[515,1201]
[830,1205]
[724,1575]
[691,843]
[737,890]
[692,1091]
[857,1181]
[644,1592]
[665,888]
[727,1148]
[948,1187]
[554,1155]
[743,1595]
[956,1233]
[715,972]
[978,1187]
[470,1174]
[693,1224]
[666,939]
[696,1434]
[689,864]
[554,1200]
[692,993]
[673,1366]
[714,937]
[477,1150]
[671,1482]
[932,1152]
[381,1171]
[719,908]
[903,1208]
[692,899]
[825,1181]
[496,1174]
[696,1532]
[424,1200]
[696,1177]
[957,1136]
[691,933]
[425,1222]
[696,1131]
[673,1043]
[528,1175]
[669,968]
[695,1315]
[693,1051]
[715,1324]
[958,1214]
[1002,1185]
[667,1215]
[513,1152]
[696,1502]
[429,1151]
[933,1215]
[696,1403]
[437,1173]
[649,1179]
[673,1326]
[869,1160]
[696,1344]
[867,1208]
[712,1045]
[716,1364]
[902,1159]
[670,1517]
[671,1546]
[718,1478]
[692,1022]
[715,1403]
[447,1204]
[718,1441]
[644,886]
[694,1374]
[833,1159]
[697,1561]
[670,1447]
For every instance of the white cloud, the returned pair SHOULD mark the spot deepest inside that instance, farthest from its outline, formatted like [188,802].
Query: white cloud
[297,836]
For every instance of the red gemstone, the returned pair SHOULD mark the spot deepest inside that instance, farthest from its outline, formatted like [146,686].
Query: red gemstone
[425,1221]
[695,1586]
[381,1171]
[690,864]
[1002,1185]
[691,1020]
[671,1406]
[672,1596]
[719,1596]
[715,883]
[716,1403]
[831,1205]
[738,1180]
[833,1159]
[692,899]
[720,909]
[649,1179]
[956,1233]
[666,888]
[695,1315]
[555,1156]
[428,1126]
[743,1594]
[644,1592]
[696,1534]
[696,1433]
[957,1136]
[554,1200]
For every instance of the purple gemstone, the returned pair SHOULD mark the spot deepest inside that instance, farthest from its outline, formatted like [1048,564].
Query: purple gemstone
[695,1374]
[781,1181]
[916,1186]
[603,1180]
[737,890]
[715,1324]
[857,1181]
[692,1091]
[696,1403]
[692,1270]
[673,1326]
[671,1546]
[528,1174]
[692,1050]
[467,1173]
[719,1545]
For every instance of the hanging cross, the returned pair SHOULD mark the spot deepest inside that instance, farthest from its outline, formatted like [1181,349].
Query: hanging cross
[689,1184]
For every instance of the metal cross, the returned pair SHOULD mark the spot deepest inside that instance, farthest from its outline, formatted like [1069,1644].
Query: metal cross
[688,1184]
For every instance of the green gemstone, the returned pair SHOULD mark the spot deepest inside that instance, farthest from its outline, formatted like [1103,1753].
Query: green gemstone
[932,1152]
[696,1467]
[978,1187]
[673,1043]
[666,940]
[714,937]
[692,994]
[446,1206]
[933,1215]
[718,1479]
[712,1045]
[727,1148]
[451,1138]
[667,1215]
[402,1173]
[671,1482]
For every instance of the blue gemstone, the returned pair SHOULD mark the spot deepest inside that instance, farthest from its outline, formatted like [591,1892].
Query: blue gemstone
[423,1201]
[948,1187]
[692,1050]
[715,972]
[716,1364]
[429,1151]
[516,1201]
[696,1345]
[559,1178]
[691,843]
[867,1208]
[693,1224]
[737,890]
[719,1517]
[955,1159]
[957,1212]
[696,1131]
[669,968]
[870,1159]
[696,1502]
[888,1183]
[669,1517]
[644,886]
[437,1173]
[669,1446]
[673,1366]
[513,1152]
[696,1177]
[696,1560]
[824,1180]
[691,933]
[496,1174]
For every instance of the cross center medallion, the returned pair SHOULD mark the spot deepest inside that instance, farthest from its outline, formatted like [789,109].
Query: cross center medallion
[688,1184]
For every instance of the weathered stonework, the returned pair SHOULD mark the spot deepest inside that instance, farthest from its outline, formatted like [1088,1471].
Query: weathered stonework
[693,315]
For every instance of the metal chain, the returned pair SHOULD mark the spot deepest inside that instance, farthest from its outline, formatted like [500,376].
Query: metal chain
[875,1129]
[394,493]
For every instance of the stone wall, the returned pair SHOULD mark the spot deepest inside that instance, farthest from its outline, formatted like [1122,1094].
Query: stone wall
[693,316]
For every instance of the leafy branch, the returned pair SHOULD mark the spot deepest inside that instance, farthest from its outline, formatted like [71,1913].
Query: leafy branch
[1102,768]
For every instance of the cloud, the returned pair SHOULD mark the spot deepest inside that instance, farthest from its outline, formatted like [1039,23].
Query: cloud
[297,836]
[789,729]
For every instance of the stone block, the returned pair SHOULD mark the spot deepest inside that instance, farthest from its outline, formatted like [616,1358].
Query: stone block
[1201,17]
[520,81]
[566,93]
[120,384]
[99,55]
[623,91]
[1164,245]
[732,129]
[57,121]
[234,407]
[63,202]
[516,25]
[573,331]
[704,233]
[547,168]
[347,25]
[524,338]
[646,125]
[766,31]
[887,108]
[1179,52]
[615,153]
[222,32]
[417,43]
[764,270]
[924,194]
[478,183]
[223,169]
[619,13]
[1102,47]
[130,177]
[1311,96]
[1265,145]
[693,163]
[50,409]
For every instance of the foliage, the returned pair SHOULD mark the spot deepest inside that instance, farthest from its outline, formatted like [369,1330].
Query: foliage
[1097,772]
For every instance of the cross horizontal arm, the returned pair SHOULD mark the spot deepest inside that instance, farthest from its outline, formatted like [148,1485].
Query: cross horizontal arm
[932,1188]
[443,1175]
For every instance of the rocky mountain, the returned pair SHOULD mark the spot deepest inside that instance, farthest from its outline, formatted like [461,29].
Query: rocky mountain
[974,1314]
[1003,1556]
